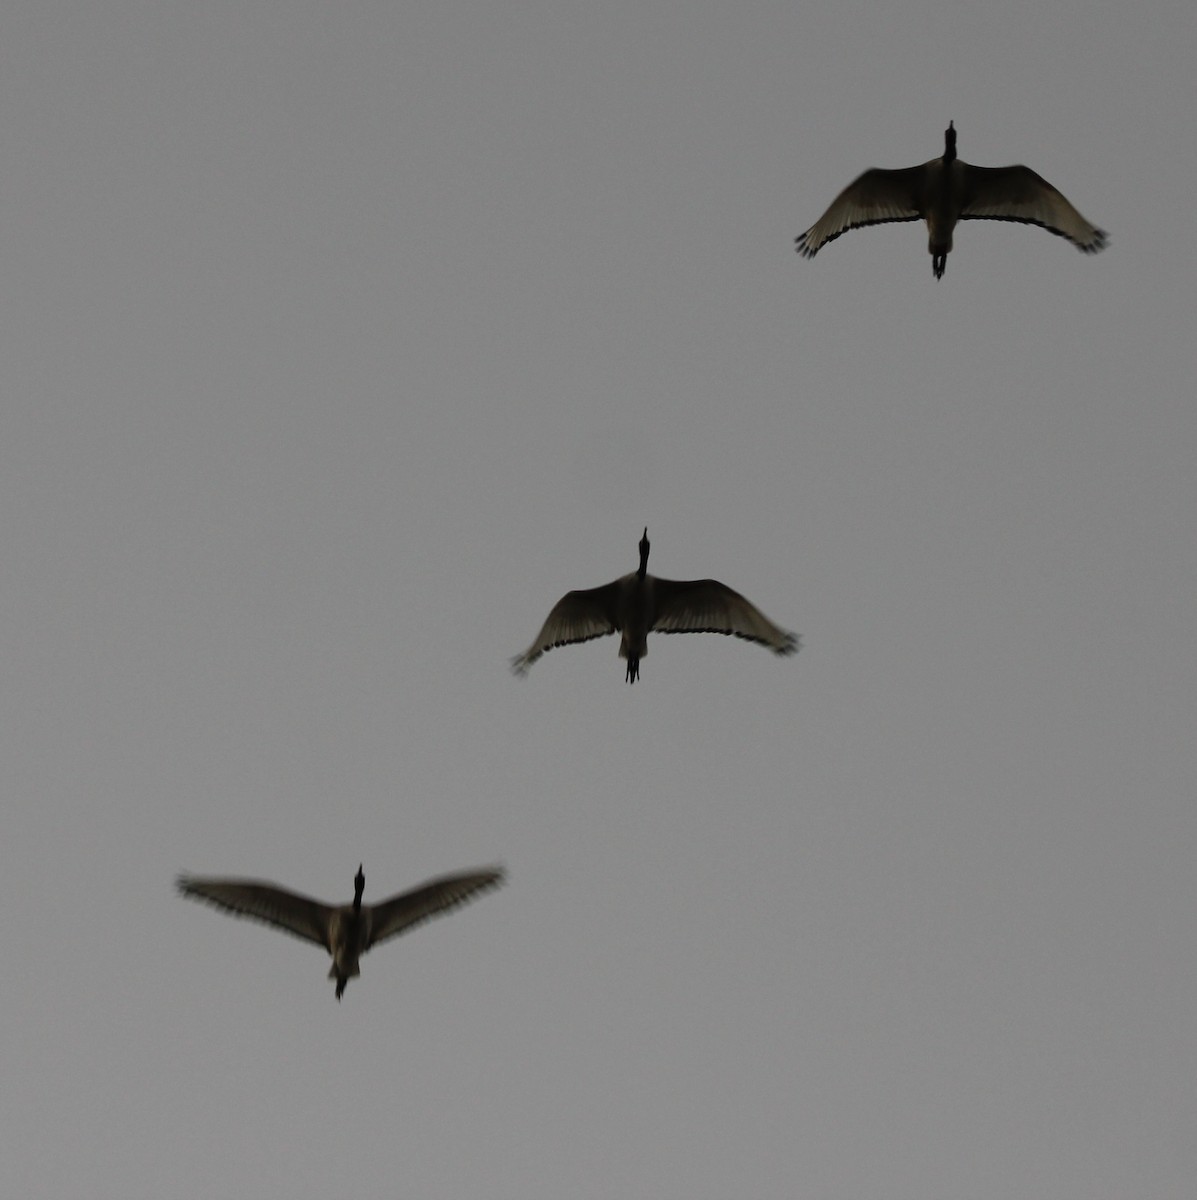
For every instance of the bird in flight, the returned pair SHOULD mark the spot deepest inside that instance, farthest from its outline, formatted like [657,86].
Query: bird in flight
[945,191]
[638,604]
[346,931]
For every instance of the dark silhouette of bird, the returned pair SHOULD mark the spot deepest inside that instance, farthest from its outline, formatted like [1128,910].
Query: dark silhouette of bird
[639,604]
[944,191]
[346,931]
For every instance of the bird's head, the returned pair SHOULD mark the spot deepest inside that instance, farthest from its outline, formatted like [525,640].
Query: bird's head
[359,886]
[644,553]
[949,142]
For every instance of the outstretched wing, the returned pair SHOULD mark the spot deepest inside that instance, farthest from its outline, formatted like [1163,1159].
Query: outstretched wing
[708,606]
[399,913]
[875,198]
[1019,194]
[295,914]
[577,617]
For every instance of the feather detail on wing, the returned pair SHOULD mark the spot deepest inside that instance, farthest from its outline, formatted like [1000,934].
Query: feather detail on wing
[875,198]
[1020,194]
[708,606]
[399,913]
[295,914]
[578,616]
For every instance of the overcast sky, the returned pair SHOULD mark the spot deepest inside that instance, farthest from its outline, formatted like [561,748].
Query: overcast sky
[337,341]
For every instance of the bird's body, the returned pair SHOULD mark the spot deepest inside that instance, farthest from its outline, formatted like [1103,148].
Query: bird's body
[346,931]
[945,191]
[638,604]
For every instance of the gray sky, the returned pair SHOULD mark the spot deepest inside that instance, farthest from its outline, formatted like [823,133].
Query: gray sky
[337,342]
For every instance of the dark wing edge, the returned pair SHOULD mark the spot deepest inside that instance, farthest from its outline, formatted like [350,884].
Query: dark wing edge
[399,913]
[298,915]
[708,606]
[802,246]
[579,616]
[1020,195]
[878,197]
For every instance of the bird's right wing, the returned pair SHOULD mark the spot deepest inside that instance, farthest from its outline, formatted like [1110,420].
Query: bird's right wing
[577,617]
[1020,194]
[401,912]
[876,197]
[708,606]
[295,914]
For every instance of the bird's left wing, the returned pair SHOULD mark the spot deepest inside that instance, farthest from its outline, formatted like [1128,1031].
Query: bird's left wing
[578,616]
[272,905]
[874,198]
